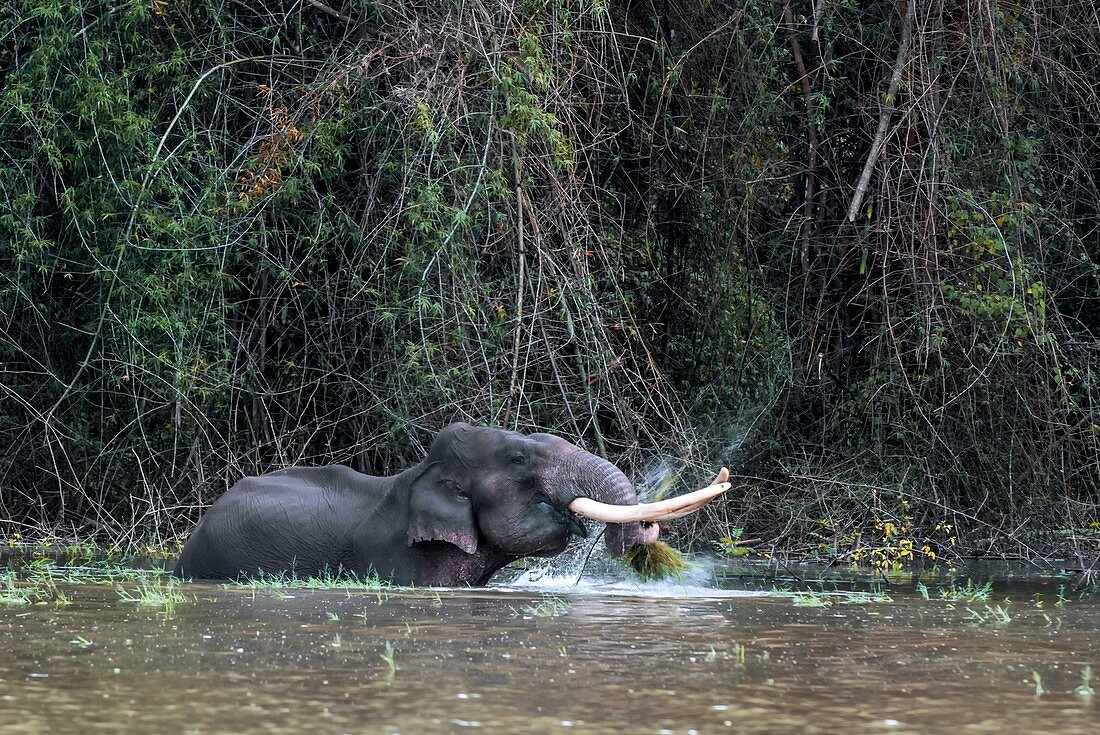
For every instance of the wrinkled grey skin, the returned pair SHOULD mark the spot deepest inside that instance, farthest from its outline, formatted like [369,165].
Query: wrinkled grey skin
[481,498]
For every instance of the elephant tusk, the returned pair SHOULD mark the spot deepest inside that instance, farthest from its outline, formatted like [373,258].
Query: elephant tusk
[642,512]
[722,477]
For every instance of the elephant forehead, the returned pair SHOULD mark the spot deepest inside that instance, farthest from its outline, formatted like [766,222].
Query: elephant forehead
[465,448]
[550,445]
[545,438]
[465,435]
[485,442]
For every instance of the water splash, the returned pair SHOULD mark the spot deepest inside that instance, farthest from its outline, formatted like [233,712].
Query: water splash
[659,479]
[588,569]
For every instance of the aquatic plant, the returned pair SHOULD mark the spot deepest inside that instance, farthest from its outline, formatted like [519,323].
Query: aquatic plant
[35,587]
[990,615]
[969,591]
[153,592]
[802,598]
[862,597]
[162,549]
[550,607]
[48,590]
[811,599]
[827,598]
[387,655]
[12,594]
[95,572]
[80,552]
[1062,600]
[325,581]
[39,566]
[1084,689]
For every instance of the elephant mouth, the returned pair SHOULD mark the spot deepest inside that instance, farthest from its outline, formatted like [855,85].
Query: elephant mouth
[574,527]
[664,510]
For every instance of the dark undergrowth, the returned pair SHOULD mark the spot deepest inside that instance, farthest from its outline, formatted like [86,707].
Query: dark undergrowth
[848,249]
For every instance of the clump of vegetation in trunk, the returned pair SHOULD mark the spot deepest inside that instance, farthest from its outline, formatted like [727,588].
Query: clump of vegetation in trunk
[657,560]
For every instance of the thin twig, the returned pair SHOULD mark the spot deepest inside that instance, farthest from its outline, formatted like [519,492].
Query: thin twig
[811,134]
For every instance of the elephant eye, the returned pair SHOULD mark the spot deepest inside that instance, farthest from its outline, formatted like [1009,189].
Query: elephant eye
[463,495]
[517,459]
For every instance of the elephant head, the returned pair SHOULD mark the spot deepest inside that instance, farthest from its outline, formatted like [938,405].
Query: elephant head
[520,495]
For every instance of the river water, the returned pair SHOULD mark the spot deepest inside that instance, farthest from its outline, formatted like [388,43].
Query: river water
[544,655]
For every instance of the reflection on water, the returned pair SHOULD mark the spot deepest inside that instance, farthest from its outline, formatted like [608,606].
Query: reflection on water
[542,655]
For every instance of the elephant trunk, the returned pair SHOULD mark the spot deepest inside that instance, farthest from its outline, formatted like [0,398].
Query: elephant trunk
[598,480]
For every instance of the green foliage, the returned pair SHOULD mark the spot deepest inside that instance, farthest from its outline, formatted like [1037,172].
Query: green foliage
[233,245]
[233,239]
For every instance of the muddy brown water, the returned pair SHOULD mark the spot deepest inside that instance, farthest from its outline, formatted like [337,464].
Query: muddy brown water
[544,658]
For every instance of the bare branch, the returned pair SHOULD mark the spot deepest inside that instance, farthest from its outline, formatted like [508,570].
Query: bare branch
[887,111]
[329,11]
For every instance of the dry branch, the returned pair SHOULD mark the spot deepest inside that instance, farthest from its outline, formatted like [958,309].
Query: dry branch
[887,111]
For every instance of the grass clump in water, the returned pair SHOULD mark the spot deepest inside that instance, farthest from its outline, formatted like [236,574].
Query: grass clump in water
[387,655]
[992,616]
[657,560]
[811,599]
[827,598]
[551,607]
[12,595]
[969,592]
[954,592]
[859,597]
[325,581]
[34,589]
[154,592]
[1085,690]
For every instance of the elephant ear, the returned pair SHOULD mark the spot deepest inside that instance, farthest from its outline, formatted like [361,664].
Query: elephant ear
[438,513]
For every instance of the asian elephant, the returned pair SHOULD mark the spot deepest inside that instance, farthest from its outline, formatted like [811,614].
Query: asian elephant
[482,498]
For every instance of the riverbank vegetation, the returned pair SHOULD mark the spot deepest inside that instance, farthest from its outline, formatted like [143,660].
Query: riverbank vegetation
[848,249]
